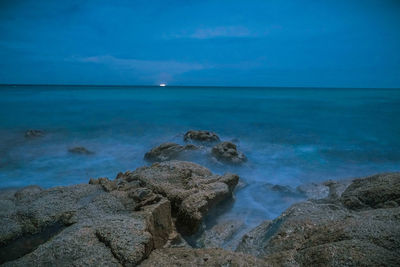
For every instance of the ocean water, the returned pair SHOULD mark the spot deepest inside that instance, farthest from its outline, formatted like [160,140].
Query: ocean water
[291,136]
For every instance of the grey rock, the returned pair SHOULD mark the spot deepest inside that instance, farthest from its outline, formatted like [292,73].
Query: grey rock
[227,152]
[80,150]
[32,133]
[200,257]
[192,189]
[334,232]
[82,225]
[201,137]
[168,151]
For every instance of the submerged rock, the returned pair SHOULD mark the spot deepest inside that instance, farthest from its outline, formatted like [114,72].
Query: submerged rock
[167,151]
[80,150]
[327,232]
[34,133]
[82,225]
[201,136]
[192,189]
[227,152]
[200,257]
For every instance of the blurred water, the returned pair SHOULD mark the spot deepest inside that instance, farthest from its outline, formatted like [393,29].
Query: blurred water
[290,136]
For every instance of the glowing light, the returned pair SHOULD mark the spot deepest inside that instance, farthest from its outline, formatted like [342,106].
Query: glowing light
[162,84]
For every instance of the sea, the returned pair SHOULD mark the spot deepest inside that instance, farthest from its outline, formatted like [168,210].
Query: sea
[291,136]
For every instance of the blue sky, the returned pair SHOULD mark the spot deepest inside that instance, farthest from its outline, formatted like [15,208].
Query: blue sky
[255,43]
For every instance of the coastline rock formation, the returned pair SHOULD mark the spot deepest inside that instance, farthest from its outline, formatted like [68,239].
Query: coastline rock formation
[192,189]
[359,227]
[227,152]
[34,133]
[81,225]
[171,257]
[167,151]
[201,137]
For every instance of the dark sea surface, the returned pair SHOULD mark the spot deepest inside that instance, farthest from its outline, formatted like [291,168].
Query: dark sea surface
[291,136]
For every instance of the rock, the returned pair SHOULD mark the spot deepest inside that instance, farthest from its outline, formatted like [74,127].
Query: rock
[201,137]
[220,235]
[34,133]
[330,232]
[227,152]
[282,189]
[373,192]
[167,151]
[192,189]
[200,257]
[80,150]
[329,189]
[82,225]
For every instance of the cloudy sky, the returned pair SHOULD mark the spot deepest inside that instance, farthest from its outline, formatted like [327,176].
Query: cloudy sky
[352,43]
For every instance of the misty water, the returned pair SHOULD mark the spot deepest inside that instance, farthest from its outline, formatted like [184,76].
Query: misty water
[290,136]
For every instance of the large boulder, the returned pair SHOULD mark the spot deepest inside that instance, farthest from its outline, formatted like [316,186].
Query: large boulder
[192,189]
[329,233]
[168,151]
[200,257]
[227,152]
[201,137]
[82,225]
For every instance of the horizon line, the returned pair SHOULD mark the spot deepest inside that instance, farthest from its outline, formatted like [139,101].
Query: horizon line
[215,86]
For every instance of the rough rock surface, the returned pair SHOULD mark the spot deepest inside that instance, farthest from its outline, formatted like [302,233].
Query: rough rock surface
[200,257]
[201,136]
[82,225]
[221,234]
[192,189]
[167,151]
[34,133]
[331,189]
[360,227]
[227,152]
[80,150]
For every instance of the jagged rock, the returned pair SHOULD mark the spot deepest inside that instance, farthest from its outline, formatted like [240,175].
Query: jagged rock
[167,151]
[201,136]
[328,189]
[192,189]
[327,233]
[200,257]
[227,152]
[34,133]
[80,150]
[82,225]
[221,234]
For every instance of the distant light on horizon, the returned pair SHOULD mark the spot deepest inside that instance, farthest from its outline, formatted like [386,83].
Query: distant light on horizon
[162,84]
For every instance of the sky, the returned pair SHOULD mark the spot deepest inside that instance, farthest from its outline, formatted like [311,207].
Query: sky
[288,43]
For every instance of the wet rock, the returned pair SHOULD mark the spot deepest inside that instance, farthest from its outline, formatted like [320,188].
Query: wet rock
[32,133]
[167,151]
[192,189]
[200,257]
[330,232]
[373,192]
[282,189]
[82,225]
[80,150]
[227,152]
[201,137]
[328,189]
[221,235]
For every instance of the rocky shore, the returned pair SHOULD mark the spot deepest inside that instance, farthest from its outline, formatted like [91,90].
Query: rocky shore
[145,217]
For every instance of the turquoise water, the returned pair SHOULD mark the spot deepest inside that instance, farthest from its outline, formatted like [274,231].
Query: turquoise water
[290,136]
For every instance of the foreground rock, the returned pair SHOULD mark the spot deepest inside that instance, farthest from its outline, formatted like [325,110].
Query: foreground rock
[168,151]
[80,150]
[82,225]
[360,227]
[200,257]
[201,136]
[34,133]
[192,189]
[227,152]
[221,235]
